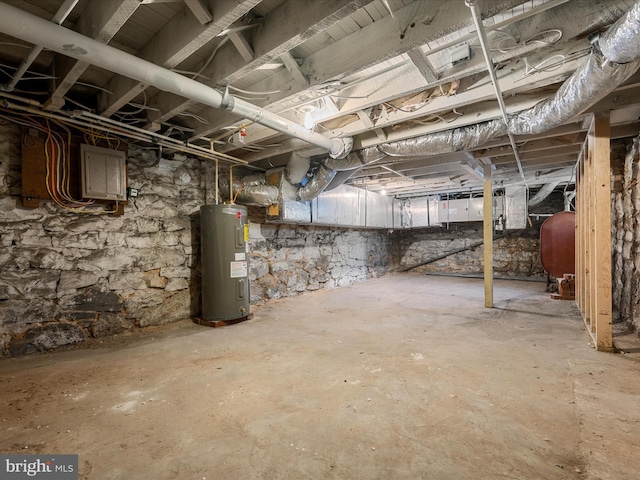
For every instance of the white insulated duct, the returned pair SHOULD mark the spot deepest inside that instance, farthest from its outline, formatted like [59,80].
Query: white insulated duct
[542,194]
[33,29]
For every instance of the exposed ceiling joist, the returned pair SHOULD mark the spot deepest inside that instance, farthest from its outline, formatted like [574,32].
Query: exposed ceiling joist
[100,21]
[178,40]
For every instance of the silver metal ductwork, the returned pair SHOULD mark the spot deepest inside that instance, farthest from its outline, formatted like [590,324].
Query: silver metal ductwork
[590,83]
[449,141]
[617,44]
[250,190]
[600,75]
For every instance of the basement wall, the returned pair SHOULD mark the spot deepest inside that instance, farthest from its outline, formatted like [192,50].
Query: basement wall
[287,260]
[625,223]
[66,277]
[516,255]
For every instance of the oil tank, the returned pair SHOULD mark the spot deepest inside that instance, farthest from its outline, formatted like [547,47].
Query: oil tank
[224,248]
[557,244]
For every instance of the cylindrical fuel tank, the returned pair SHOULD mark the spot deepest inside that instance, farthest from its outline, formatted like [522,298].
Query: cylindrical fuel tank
[225,262]
[558,244]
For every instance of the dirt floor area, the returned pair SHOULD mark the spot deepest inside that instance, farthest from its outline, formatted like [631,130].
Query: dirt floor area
[401,377]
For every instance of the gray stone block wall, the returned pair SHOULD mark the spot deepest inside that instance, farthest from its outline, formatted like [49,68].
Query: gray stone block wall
[517,255]
[67,277]
[287,260]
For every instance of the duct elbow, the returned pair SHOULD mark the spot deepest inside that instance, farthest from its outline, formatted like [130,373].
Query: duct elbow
[318,183]
[341,147]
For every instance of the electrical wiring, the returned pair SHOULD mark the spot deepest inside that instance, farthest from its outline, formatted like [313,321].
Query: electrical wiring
[144,107]
[36,75]
[249,92]
[533,39]
[57,152]
[545,65]
[90,85]
[194,75]
[195,117]
[78,104]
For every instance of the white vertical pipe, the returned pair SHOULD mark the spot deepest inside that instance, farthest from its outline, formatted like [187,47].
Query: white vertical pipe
[28,27]
[482,36]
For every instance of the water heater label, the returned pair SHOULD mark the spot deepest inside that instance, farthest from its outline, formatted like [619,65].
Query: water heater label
[238,269]
[240,256]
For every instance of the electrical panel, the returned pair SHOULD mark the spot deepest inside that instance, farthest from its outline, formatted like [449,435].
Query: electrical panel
[103,173]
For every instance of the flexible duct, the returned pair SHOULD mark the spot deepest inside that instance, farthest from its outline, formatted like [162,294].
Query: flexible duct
[589,84]
[620,43]
[318,183]
[542,194]
[329,167]
[255,192]
[449,141]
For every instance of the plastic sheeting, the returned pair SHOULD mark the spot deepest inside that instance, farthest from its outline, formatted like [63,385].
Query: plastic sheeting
[621,43]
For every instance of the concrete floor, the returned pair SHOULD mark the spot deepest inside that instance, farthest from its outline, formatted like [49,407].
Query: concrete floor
[402,377]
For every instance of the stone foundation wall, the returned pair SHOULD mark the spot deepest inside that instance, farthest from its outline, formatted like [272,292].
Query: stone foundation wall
[287,260]
[515,255]
[626,239]
[67,277]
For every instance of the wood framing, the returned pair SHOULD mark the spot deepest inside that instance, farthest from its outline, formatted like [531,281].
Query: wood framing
[488,237]
[593,233]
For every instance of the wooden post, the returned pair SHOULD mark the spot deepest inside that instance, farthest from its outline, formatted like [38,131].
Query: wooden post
[593,240]
[602,232]
[488,237]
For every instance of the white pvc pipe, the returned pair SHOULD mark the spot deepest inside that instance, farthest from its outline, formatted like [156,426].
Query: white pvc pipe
[482,36]
[28,27]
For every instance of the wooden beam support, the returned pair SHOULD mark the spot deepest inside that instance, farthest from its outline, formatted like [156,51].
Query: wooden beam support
[423,64]
[593,239]
[199,10]
[293,68]
[241,44]
[488,237]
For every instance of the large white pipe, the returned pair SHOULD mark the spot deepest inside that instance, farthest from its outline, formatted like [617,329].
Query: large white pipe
[63,12]
[28,27]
